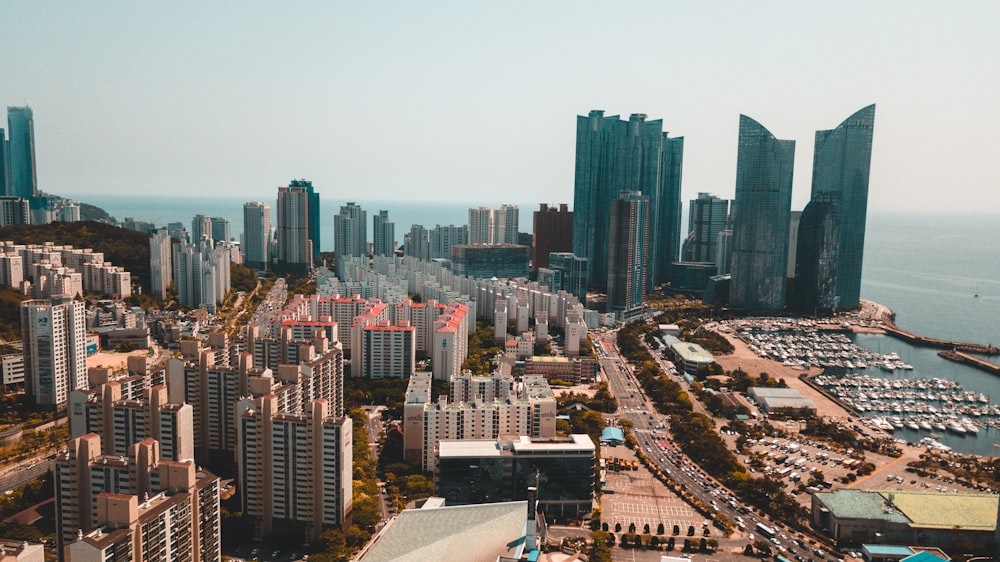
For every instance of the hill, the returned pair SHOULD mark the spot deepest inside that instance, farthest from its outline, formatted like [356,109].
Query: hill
[126,248]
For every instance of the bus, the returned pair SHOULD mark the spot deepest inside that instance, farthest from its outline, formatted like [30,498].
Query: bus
[766,531]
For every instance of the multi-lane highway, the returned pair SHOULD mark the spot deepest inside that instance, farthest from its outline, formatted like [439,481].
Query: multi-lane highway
[650,429]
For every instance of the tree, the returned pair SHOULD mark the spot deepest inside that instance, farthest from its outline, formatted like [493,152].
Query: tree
[677,529]
[645,528]
[600,550]
[618,527]
[631,527]
[659,529]
[690,530]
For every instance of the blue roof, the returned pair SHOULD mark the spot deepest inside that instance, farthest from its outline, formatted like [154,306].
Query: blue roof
[611,433]
[533,556]
[887,550]
[923,556]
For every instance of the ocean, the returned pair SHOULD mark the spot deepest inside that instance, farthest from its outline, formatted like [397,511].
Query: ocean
[940,274]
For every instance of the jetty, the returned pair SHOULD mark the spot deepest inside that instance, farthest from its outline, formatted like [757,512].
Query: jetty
[972,361]
[889,325]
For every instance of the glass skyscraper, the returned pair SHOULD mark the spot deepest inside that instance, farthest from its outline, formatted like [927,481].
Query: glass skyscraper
[628,254]
[707,217]
[832,231]
[761,218]
[613,155]
[23,180]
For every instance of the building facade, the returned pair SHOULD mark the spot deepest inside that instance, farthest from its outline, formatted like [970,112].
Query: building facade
[613,155]
[761,219]
[628,254]
[350,231]
[832,229]
[256,244]
[383,234]
[23,176]
[552,232]
[55,353]
[707,217]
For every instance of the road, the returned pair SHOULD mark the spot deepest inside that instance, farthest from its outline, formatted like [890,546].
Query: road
[650,430]
[269,307]
[17,475]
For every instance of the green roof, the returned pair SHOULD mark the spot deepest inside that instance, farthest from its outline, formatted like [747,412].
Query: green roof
[855,504]
[472,533]
[692,352]
[934,509]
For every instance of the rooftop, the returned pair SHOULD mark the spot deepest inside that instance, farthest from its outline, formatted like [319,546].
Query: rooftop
[856,504]
[930,509]
[692,352]
[472,533]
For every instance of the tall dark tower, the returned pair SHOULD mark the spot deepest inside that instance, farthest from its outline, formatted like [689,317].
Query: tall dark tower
[612,156]
[760,224]
[21,153]
[835,230]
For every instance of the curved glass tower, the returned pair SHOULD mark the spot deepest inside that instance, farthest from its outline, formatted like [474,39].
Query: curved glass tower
[841,163]
[761,218]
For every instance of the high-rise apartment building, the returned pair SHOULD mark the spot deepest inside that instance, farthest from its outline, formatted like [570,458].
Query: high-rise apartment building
[350,231]
[761,219]
[201,274]
[294,468]
[493,226]
[707,217]
[506,225]
[613,155]
[55,351]
[531,411]
[134,507]
[161,260]
[256,235]
[383,234]
[21,153]
[296,248]
[832,229]
[552,232]
[201,226]
[575,273]
[443,238]
[14,210]
[628,254]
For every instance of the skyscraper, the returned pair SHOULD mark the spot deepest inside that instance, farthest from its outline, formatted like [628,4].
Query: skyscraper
[4,164]
[628,254]
[256,234]
[161,258]
[383,234]
[706,219]
[481,225]
[221,229]
[21,152]
[350,231]
[760,225]
[295,246]
[832,233]
[552,232]
[55,351]
[313,211]
[506,225]
[201,225]
[613,155]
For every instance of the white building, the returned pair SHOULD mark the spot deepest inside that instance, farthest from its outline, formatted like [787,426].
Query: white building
[256,235]
[161,262]
[55,352]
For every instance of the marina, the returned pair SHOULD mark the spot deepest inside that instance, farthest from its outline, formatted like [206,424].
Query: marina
[894,386]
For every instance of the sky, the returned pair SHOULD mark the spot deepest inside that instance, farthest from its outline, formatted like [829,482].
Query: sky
[477,101]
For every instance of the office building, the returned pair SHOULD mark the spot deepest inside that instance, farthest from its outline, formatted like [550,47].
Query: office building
[134,507]
[707,217]
[256,244]
[613,155]
[20,151]
[383,234]
[832,229]
[350,231]
[294,470]
[177,231]
[502,469]
[506,225]
[628,254]
[221,229]
[4,164]
[55,353]
[553,232]
[14,210]
[483,261]
[296,250]
[761,219]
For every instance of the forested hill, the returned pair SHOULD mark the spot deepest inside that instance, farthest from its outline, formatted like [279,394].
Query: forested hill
[126,248]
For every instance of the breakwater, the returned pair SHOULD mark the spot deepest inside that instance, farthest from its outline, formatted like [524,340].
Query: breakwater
[889,325]
[966,359]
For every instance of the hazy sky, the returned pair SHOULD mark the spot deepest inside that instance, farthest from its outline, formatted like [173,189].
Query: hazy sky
[477,101]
